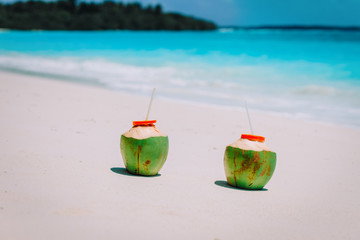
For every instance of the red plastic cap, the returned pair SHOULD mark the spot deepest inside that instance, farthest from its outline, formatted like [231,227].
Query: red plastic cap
[144,123]
[253,137]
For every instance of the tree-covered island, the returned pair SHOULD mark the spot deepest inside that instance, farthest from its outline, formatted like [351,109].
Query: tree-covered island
[73,15]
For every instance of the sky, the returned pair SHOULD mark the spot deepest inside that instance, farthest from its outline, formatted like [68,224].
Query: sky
[264,12]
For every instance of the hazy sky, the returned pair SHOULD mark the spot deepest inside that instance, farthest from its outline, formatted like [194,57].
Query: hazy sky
[260,12]
[265,12]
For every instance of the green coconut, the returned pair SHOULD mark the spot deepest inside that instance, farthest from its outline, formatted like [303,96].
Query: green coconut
[144,150]
[249,164]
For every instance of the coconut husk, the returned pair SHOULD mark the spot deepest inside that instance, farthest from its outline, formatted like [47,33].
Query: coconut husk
[142,132]
[246,144]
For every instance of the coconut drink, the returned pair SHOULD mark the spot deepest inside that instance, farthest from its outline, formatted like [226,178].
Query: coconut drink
[249,163]
[144,148]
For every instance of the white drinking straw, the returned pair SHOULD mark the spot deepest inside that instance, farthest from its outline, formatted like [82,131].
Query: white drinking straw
[152,97]
[247,111]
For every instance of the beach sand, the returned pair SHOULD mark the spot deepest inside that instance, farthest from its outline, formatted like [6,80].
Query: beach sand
[62,176]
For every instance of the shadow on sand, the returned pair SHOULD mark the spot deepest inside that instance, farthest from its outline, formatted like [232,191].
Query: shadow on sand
[123,171]
[226,185]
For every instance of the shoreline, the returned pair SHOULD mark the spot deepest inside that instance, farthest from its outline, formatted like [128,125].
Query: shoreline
[63,177]
[94,83]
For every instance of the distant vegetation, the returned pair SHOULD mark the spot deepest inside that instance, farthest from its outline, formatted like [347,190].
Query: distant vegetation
[68,15]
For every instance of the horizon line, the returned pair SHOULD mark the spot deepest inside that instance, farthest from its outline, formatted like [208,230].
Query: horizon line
[294,27]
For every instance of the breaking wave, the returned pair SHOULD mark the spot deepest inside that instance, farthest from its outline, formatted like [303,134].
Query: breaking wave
[321,95]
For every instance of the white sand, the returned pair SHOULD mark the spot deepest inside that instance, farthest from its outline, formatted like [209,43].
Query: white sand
[59,142]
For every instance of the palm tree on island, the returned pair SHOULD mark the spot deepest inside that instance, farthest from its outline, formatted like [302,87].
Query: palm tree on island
[75,15]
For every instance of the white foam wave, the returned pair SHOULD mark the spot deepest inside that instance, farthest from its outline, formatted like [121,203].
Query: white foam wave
[264,86]
[318,90]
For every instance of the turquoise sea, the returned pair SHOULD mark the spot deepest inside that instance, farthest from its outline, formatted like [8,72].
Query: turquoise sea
[309,75]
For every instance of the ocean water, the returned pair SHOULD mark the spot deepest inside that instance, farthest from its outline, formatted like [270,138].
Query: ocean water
[308,75]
